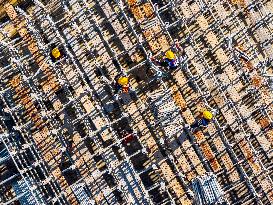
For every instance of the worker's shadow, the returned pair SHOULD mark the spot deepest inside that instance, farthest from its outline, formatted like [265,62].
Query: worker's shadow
[182,137]
[125,98]
[178,140]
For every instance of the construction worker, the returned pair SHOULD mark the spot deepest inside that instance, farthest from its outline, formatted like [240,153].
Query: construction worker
[169,61]
[56,53]
[202,121]
[122,84]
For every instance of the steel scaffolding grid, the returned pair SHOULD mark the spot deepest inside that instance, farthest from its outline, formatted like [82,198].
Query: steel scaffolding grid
[67,132]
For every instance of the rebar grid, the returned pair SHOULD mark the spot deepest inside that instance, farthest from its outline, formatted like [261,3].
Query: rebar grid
[89,101]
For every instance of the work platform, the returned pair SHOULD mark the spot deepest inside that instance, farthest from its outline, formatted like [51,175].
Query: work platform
[66,137]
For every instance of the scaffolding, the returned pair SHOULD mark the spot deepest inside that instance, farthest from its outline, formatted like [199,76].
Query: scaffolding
[207,190]
[66,138]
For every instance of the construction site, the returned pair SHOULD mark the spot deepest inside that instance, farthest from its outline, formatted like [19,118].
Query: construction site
[137,102]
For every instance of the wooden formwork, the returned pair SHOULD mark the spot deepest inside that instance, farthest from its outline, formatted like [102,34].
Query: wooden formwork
[208,142]
[98,121]
[230,72]
[42,138]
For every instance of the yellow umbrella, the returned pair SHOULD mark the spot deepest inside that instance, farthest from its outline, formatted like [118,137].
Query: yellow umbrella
[123,81]
[56,53]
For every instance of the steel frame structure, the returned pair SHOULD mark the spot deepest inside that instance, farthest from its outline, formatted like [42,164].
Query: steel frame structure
[25,94]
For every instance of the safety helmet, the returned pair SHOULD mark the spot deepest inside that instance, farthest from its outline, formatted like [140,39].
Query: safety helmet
[123,81]
[169,54]
[207,115]
[56,53]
